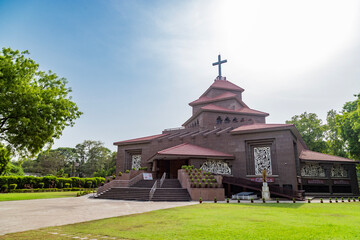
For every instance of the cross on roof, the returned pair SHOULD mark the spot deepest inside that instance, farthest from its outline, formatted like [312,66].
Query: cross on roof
[219,62]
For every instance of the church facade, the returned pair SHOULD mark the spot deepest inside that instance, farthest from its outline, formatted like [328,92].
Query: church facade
[225,136]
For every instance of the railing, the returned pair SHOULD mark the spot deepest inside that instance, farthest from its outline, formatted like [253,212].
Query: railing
[119,183]
[136,179]
[162,179]
[107,186]
[152,191]
[257,186]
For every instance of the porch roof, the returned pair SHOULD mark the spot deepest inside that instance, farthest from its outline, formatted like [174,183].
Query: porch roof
[187,150]
[307,155]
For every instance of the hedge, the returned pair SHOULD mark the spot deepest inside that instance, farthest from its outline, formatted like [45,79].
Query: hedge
[30,182]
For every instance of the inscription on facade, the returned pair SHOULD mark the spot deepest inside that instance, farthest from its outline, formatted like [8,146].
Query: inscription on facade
[216,167]
[136,162]
[312,170]
[262,158]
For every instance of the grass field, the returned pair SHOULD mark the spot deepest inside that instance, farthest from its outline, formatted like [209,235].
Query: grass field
[219,221]
[39,195]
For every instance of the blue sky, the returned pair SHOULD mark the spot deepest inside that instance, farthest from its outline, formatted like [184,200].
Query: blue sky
[135,65]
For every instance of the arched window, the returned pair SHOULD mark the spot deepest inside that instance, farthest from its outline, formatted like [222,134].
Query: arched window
[235,120]
[219,120]
[227,120]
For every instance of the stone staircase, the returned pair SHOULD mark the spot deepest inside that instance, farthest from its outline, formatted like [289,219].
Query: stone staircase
[138,194]
[170,191]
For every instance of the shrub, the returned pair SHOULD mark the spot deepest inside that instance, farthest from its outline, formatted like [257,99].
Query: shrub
[41,185]
[120,174]
[67,185]
[203,180]
[294,200]
[13,186]
[252,200]
[277,200]
[321,200]
[206,185]
[309,200]
[263,199]
[213,180]
[113,176]
[89,184]
[200,199]
[227,200]
[108,180]
[215,200]
[211,185]
[127,171]
[192,180]
[4,188]
[330,200]
[184,167]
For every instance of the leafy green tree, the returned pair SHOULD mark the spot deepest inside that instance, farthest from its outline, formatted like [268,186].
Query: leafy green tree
[35,106]
[92,157]
[311,129]
[14,169]
[335,143]
[349,124]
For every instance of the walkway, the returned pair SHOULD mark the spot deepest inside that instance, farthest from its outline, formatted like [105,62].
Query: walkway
[17,216]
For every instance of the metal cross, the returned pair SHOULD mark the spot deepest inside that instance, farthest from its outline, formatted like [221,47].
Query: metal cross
[219,62]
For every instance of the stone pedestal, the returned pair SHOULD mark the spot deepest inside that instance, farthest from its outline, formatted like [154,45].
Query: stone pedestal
[265,193]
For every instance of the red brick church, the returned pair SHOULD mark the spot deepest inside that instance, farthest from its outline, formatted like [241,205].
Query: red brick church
[225,136]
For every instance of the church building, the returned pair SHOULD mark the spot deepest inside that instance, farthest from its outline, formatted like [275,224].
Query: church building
[225,136]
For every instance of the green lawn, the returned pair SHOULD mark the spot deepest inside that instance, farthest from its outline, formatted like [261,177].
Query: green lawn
[38,195]
[220,221]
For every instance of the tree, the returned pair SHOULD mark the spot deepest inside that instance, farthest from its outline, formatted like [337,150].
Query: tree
[92,157]
[335,142]
[349,124]
[311,129]
[35,106]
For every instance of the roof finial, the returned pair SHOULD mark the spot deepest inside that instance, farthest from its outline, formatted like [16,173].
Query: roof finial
[219,62]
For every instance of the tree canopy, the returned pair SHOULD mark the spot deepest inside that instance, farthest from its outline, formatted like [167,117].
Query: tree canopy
[311,129]
[35,106]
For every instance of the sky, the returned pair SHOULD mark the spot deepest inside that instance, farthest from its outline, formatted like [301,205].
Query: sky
[134,66]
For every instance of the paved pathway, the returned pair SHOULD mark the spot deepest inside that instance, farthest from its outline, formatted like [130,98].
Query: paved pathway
[17,216]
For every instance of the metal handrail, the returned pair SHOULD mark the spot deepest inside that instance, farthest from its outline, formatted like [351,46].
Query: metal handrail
[136,179]
[152,191]
[162,179]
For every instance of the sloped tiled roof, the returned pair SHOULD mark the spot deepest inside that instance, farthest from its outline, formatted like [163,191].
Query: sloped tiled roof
[142,139]
[224,84]
[187,149]
[205,99]
[242,110]
[315,156]
[261,126]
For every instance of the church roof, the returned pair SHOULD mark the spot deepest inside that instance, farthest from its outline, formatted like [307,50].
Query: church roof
[261,126]
[224,84]
[190,150]
[242,110]
[140,140]
[315,156]
[205,99]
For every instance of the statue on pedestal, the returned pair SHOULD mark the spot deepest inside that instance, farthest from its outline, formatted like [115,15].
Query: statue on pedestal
[265,188]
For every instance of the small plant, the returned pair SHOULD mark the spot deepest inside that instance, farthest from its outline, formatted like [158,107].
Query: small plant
[215,200]
[203,180]
[211,185]
[213,180]
[354,199]
[309,200]
[108,180]
[127,171]
[227,200]
[192,180]
[199,185]
[238,200]
[198,180]
[120,174]
[277,200]
[263,199]
[321,200]
[184,167]
[252,200]
[206,185]
[113,176]
[294,200]
[330,200]
[349,199]
[200,200]
[133,168]
[342,199]
[336,200]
